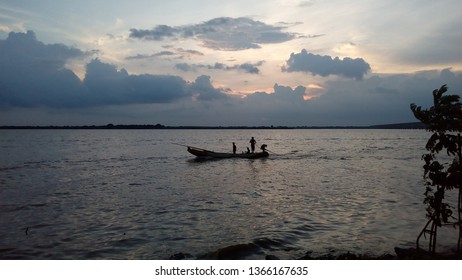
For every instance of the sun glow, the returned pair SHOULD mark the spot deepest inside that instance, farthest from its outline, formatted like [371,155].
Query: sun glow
[313,91]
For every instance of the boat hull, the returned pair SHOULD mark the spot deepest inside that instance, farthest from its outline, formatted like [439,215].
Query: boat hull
[210,154]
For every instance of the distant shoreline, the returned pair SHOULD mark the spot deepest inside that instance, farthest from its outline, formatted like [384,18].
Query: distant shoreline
[414,125]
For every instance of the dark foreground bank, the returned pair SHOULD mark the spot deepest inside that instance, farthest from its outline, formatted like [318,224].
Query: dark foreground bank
[244,251]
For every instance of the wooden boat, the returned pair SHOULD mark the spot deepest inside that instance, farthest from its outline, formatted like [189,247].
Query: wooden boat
[198,152]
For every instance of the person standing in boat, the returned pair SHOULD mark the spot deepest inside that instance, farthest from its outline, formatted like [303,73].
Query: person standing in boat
[252,144]
[234,148]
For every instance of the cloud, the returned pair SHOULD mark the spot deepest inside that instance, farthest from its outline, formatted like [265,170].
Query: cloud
[116,87]
[145,56]
[170,51]
[250,68]
[36,88]
[33,74]
[316,36]
[185,67]
[296,94]
[187,53]
[26,45]
[158,33]
[325,65]
[375,100]
[108,86]
[222,33]
[381,99]
[202,89]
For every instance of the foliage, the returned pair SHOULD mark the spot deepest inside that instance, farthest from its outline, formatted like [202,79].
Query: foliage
[443,119]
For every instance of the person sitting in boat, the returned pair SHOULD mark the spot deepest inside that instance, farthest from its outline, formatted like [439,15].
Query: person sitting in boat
[234,148]
[248,150]
[263,147]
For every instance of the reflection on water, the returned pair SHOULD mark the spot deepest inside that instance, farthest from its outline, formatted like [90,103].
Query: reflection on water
[120,194]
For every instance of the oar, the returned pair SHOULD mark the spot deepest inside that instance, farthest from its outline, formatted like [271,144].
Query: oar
[189,146]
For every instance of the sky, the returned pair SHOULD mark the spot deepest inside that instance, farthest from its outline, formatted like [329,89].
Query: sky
[225,63]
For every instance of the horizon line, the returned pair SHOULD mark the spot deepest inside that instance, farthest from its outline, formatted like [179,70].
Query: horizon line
[408,125]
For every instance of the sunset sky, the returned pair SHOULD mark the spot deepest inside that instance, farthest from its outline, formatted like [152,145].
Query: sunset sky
[226,63]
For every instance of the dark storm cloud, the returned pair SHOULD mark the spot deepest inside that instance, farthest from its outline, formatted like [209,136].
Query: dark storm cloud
[222,33]
[116,87]
[251,68]
[281,95]
[288,92]
[325,65]
[203,89]
[33,74]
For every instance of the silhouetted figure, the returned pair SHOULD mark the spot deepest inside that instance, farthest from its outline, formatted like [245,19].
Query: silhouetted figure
[263,147]
[234,148]
[252,144]
[248,150]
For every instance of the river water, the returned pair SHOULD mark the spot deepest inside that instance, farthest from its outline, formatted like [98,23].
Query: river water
[133,194]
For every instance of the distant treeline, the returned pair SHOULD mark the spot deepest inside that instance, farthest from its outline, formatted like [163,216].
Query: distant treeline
[414,125]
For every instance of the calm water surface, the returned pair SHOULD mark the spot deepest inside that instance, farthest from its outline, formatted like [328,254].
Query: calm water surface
[132,194]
